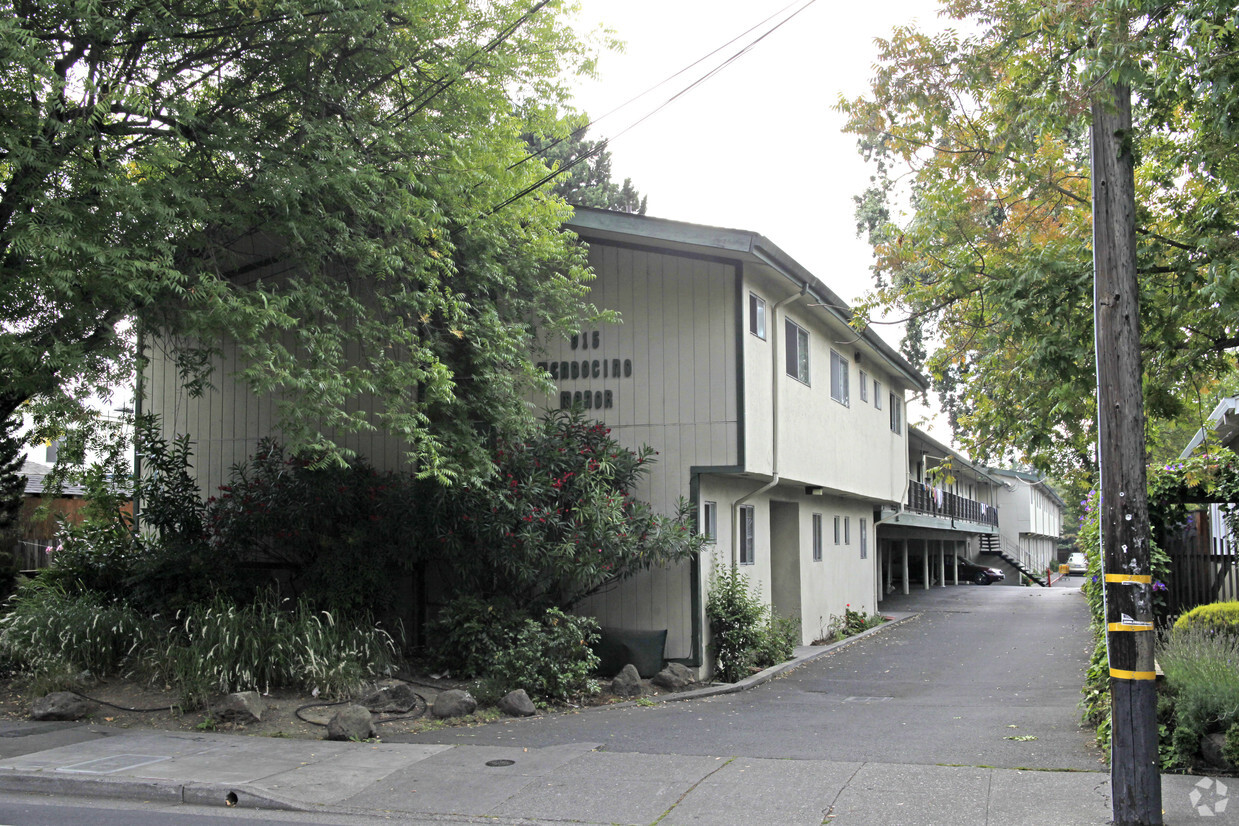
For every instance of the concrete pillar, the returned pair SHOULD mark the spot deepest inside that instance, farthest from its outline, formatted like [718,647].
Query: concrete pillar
[925,562]
[942,563]
[905,566]
[955,560]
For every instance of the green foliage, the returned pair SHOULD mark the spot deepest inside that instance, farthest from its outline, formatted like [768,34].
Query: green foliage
[849,624]
[49,631]
[550,657]
[469,630]
[337,189]
[584,168]
[735,613]
[979,211]
[1230,750]
[1215,618]
[12,482]
[343,533]
[219,648]
[558,522]
[1202,679]
[745,635]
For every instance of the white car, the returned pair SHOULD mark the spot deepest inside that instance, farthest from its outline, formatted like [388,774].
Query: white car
[1077,563]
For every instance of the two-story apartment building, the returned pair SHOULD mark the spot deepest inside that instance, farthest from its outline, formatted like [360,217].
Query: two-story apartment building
[1032,522]
[948,509]
[782,424]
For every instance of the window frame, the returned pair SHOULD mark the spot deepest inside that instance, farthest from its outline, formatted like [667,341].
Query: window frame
[896,415]
[864,539]
[863,384]
[877,394]
[837,526]
[709,521]
[748,535]
[757,316]
[839,369]
[817,537]
[793,332]
[847,531]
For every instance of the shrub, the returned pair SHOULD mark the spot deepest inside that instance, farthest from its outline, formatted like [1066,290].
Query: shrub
[551,658]
[736,614]
[1204,684]
[468,632]
[48,630]
[558,521]
[777,641]
[1216,618]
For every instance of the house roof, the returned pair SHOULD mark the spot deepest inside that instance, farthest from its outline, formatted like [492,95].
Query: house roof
[1223,421]
[34,473]
[1032,479]
[736,244]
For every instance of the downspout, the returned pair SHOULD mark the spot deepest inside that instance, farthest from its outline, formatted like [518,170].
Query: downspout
[774,428]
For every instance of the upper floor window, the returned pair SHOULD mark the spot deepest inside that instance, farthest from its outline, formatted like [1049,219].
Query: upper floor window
[864,386]
[709,521]
[877,394]
[797,351]
[896,414]
[838,378]
[757,316]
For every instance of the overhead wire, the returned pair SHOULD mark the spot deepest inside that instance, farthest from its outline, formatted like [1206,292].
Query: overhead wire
[603,144]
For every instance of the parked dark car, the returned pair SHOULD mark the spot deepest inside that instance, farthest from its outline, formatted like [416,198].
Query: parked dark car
[973,572]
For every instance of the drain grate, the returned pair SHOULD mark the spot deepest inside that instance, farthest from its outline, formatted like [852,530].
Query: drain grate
[494,764]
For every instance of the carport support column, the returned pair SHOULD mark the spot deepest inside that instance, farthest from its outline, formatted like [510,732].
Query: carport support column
[942,563]
[925,562]
[955,560]
[905,566]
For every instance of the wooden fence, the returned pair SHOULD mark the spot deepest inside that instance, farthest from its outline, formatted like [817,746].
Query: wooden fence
[1202,566]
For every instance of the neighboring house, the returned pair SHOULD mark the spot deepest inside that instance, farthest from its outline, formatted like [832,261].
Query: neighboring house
[34,534]
[948,510]
[1032,523]
[1221,430]
[781,424]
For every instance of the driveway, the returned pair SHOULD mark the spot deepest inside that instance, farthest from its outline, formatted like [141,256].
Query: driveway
[984,677]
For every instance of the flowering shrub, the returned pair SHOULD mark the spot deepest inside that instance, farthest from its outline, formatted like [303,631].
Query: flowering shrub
[558,522]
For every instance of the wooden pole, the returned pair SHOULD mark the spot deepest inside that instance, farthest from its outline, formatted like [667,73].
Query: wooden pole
[1134,776]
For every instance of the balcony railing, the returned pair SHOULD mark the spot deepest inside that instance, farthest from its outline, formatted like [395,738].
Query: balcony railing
[927,500]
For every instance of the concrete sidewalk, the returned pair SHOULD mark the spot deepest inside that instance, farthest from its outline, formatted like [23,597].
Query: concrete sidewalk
[573,783]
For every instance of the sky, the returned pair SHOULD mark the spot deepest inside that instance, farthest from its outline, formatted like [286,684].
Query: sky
[759,145]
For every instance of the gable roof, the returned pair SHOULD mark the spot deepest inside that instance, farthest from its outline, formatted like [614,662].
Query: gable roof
[1223,421]
[739,245]
[34,473]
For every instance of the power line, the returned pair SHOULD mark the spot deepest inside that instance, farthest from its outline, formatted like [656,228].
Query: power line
[602,145]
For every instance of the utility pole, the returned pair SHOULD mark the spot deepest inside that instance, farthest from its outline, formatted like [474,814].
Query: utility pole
[1135,779]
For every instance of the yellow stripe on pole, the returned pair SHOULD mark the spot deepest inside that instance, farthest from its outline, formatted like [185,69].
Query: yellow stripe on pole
[1130,626]
[1120,674]
[1145,578]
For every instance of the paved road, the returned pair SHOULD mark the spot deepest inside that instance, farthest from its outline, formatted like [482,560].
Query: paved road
[981,667]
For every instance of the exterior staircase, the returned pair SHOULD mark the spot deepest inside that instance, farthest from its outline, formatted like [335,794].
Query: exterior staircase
[1003,549]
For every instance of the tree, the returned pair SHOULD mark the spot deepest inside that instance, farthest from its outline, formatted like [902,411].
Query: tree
[585,179]
[12,482]
[983,140]
[371,148]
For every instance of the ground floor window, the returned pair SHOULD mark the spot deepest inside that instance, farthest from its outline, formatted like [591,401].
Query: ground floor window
[864,540]
[748,534]
[709,521]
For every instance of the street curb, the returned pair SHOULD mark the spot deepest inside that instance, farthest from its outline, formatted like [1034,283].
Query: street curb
[157,791]
[808,653]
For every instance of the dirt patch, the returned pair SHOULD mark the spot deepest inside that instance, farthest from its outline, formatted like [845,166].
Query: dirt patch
[130,704]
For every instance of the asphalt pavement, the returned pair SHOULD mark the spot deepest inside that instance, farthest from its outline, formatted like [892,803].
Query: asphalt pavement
[963,712]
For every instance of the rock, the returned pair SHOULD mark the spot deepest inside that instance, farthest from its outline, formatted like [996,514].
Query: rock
[517,704]
[241,707]
[352,722]
[454,702]
[1211,750]
[675,676]
[627,683]
[61,705]
[392,698]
